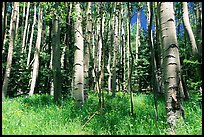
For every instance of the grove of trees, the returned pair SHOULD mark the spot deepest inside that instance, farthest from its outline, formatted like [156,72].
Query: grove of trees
[67,49]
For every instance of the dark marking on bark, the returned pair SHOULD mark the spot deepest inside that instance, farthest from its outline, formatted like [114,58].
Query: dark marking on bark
[173,46]
[172,63]
[171,19]
[170,56]
[78,64]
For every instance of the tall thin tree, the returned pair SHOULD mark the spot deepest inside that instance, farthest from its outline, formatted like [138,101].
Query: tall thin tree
[171,66]
[10,50]
[78,81]
[37,53]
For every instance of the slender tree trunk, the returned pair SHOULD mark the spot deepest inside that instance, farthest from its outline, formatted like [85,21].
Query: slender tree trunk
[160,47]
[62,60]
[4,30]
[137,46]
[102,28]
[171,66]
[198,27]
[3,19]
[27,37]
[17,23]
[130,65]
[70,33]
[123,48]
[25,30]
[31,36]
[78,91]
[189,29]
[88,45]
[36,55]
[96,53]
[115,49]
[56,67]
[154,82]
[110,24]
[10,50]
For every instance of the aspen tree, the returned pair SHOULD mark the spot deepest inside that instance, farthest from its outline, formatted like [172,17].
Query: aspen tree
[36,54]
[78,81]
[171,66]
[10,50]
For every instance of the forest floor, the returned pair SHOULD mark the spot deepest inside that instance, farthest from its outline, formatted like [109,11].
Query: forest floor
[38,115]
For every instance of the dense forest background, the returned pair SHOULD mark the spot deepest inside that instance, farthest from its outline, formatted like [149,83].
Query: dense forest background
[76,50]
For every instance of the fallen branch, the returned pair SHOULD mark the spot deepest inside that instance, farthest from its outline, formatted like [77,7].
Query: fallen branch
[89,119]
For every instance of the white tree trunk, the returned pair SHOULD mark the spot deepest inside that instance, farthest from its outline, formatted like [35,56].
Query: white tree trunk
[78,83]
[10,50]
[36,55]
[171,65]
[25,30]
[88,45]
[31,36]
[188,28]
[115,50]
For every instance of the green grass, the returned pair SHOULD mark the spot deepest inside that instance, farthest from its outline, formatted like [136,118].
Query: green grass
[38,115]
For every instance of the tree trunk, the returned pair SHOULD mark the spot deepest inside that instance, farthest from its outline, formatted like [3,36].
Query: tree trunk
[171,66]
[23,22]
[10,50]
[87,48]
[78,83]
[137,46]
[56,67]
[154,77]
[31,36]
[198,27]
[17,22]
[4,34]
[37,53]
[4,19]
[115,42]
[110,24]
[102,28]
[189,29]
[130,65]
[62,60]
[123,48]
[159,47]
[28,29]
[70,43]
[25,30]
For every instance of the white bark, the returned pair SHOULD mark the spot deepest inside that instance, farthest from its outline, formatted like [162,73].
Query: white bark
[31,37]
[36,55]
[25,29]
[171,64]
[188,28]
[88,45]
[10,50]
[78,91]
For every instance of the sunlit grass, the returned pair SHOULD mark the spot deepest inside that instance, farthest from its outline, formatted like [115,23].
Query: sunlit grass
[38,115]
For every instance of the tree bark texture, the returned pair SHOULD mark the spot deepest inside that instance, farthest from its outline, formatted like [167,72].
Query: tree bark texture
[171,65]
[188,28]
[37,53]
[78,83]
[10,50]
[56,68]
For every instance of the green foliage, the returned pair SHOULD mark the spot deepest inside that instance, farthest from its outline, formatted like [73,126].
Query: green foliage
[39,115]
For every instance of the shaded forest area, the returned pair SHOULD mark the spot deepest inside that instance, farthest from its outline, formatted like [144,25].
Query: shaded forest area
[71,49]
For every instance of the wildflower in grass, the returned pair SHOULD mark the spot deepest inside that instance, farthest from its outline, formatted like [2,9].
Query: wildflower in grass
[3,119]
[18,113]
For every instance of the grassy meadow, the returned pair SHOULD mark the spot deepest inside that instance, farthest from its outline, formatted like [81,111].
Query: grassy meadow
[38,115]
